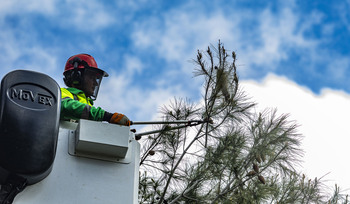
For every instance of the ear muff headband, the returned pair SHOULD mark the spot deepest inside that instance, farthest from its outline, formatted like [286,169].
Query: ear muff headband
[76,75]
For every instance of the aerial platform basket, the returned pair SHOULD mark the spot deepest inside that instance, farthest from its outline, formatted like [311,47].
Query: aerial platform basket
[95,162]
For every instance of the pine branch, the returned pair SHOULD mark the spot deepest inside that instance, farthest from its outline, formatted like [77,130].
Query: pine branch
[176,165]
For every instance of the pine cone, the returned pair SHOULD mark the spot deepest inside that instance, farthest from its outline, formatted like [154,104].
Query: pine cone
[151,152]
[255,167]
[258,158]
[251,173]
[261,179]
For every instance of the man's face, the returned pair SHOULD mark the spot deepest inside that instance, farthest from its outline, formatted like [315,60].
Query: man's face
[91,81]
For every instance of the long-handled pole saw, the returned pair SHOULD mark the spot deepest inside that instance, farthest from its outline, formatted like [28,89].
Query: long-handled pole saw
[186,123]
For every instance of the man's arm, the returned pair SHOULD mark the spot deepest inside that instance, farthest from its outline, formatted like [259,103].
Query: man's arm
[72,109]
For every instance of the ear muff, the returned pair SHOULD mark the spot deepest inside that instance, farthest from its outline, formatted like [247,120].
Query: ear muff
[76,77]
[70,78]
[76,74]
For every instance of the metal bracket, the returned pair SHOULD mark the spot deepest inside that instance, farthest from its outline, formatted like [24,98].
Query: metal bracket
[72,152]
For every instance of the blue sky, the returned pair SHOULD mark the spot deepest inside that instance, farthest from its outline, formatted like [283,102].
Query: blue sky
[146,46]
[305,41]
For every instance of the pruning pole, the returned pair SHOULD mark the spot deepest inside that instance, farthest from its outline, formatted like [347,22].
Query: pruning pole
[187,123]
[169,122]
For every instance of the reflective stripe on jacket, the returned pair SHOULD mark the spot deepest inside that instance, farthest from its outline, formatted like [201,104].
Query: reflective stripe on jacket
[75,105]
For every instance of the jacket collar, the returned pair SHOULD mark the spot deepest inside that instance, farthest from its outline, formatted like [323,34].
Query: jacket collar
[76,91]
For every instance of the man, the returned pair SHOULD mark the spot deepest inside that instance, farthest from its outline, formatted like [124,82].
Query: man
[83,79]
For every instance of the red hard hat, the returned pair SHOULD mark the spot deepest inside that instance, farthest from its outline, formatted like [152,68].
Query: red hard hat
[86,59]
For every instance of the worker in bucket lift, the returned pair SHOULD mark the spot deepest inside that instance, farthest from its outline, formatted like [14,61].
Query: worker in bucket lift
[83,79]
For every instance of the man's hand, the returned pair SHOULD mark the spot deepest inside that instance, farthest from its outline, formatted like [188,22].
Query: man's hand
[120,119]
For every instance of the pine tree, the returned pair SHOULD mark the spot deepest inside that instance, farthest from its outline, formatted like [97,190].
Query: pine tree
[238,156]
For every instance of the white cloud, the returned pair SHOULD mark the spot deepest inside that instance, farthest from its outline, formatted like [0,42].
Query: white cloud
[19,53]
[323,121]
[277,34]
[134,64]
[85,16]
[21,7]
[19,47]
[279,31]
[337,70]
[76,14]
[343,9]
[177,36]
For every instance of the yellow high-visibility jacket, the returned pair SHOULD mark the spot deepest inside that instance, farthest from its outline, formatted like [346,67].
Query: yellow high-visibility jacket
[75,105]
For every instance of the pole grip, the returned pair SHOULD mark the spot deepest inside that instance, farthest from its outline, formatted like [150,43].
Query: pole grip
[167,122]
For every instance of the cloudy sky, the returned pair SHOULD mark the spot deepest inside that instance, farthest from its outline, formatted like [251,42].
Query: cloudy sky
[292,54]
